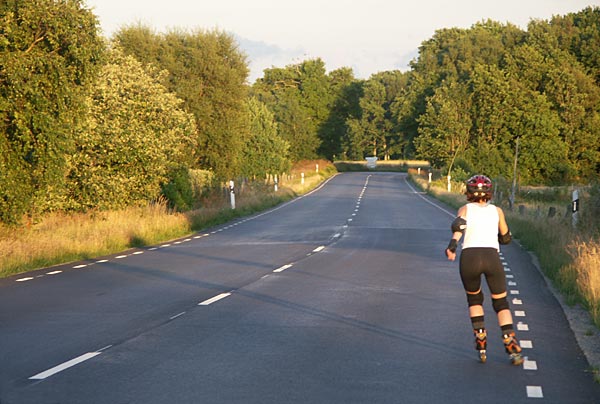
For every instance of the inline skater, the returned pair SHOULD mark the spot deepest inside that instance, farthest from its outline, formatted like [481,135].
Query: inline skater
[484,228]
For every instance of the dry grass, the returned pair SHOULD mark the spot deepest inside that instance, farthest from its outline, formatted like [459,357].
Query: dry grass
[585,268]
[60,237]
[568,255]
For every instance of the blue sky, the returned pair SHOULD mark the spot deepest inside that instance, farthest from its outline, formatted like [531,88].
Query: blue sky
[369,36]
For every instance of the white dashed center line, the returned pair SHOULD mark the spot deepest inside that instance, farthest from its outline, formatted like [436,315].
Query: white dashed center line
[214,299]
[63,366]
[534,392]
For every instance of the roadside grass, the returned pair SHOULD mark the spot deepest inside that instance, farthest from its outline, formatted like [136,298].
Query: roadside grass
[61,238]
[569,255]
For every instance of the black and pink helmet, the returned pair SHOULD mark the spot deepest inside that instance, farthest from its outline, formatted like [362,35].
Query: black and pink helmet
[479,187]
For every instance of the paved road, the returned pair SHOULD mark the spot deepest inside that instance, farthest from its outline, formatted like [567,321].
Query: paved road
[341,296]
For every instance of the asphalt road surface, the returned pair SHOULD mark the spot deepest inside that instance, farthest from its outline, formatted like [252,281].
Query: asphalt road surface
[341,296]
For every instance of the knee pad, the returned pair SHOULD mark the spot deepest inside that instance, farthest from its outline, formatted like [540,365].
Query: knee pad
[500,304]
[476,299]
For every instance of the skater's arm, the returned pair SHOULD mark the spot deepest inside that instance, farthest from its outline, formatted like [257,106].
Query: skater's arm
[504,235]
[456,236]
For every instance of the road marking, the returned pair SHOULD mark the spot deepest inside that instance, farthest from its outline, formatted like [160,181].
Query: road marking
[511,283]
[80,266]
[63,366]
[514,292]
[101,261]
[509,276]
[24,279]
[427,200]
[54,272]
[517,301]
[522,326]
[120,257]
[534,392]
[214,299]
[529,365]
[336,235]
[177,315]
[525,343]
[138,252]
[319,248]
[520,313]
[283,268]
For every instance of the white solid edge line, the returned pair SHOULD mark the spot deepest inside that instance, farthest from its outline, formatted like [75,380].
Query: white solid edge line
[63,366]
[214,299]
[319,248]
[425,199]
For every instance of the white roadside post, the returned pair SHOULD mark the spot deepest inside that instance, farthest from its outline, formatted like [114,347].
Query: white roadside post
[276,181]
[449,185]
[232,194]
[418,170]
[575,207]
[302,178]
[317,168]
[429,178]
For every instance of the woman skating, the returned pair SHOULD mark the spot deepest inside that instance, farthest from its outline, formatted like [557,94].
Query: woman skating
[484,228]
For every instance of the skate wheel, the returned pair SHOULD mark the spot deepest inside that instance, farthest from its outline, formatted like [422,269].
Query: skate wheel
[516,359]
[482,356]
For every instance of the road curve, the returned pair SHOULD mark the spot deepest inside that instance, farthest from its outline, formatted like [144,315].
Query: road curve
[340,296]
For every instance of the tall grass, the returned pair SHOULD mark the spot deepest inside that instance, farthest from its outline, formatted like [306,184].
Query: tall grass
[569,255]
[60,237]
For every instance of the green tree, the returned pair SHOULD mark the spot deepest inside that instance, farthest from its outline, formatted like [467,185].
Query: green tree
[445,127]
[367,133]
[301,99]
[346,92]
[138,137]
[265,152]
[49,51]
[209,72]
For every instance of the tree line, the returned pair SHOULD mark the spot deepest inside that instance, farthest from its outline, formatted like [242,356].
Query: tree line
[88,122]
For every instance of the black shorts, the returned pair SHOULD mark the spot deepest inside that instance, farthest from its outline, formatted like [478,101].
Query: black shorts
[475,262]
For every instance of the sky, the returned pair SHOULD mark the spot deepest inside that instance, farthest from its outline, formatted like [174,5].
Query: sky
[369,36]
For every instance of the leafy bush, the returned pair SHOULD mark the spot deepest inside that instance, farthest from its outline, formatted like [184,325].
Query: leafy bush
[178,190]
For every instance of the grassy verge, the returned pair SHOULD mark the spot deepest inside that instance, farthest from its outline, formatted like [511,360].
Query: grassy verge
[569,255]
[60,238]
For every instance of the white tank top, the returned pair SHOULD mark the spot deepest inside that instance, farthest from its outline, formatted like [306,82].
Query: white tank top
[482,226]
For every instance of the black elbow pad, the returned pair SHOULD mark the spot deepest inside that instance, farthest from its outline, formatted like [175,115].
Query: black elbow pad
[504,239]
[459,225]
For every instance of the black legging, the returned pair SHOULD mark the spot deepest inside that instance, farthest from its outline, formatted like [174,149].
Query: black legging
[477,261]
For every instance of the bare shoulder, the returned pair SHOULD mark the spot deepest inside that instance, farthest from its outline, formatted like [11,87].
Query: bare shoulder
[462,211]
